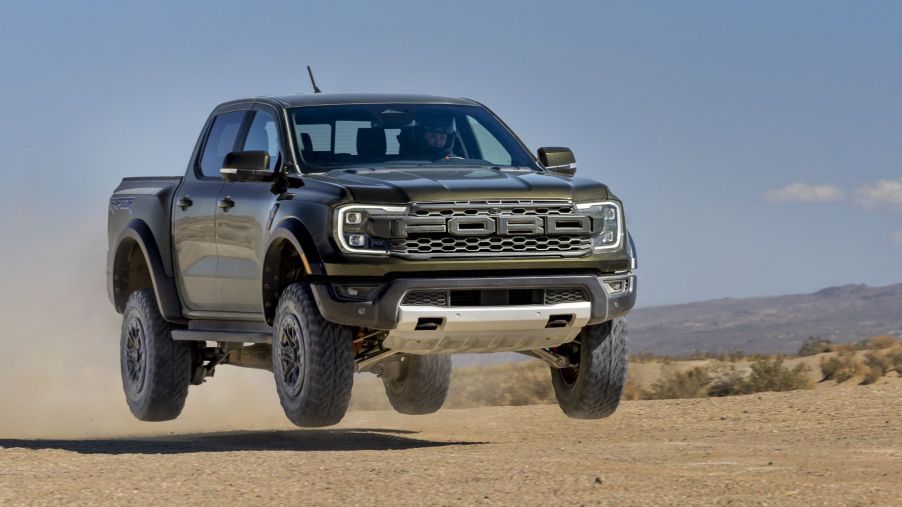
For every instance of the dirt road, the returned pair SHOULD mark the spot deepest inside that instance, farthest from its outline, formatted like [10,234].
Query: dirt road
[838,446]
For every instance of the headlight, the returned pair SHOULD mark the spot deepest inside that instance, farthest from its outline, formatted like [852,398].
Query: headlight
[351,229]
[609,232]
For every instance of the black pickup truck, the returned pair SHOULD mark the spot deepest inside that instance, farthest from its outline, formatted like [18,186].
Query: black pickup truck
[321,235]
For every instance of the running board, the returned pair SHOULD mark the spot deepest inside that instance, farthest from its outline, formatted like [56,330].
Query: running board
[221,336]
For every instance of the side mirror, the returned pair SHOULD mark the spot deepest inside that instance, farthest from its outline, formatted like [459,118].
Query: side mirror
[558,160]
[246,166]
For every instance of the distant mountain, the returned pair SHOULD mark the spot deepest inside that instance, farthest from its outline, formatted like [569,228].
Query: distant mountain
[768,324]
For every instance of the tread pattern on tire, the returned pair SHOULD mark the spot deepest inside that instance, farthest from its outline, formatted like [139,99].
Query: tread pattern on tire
[328,367]
[424,387]
[168,362]
[601,375]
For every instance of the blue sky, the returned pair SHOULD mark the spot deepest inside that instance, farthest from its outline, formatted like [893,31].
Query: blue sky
[757,145]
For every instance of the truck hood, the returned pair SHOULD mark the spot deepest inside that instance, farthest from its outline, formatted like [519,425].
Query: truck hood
[404,185]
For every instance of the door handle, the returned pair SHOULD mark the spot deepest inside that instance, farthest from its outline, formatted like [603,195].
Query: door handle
[184,203]
[226,204]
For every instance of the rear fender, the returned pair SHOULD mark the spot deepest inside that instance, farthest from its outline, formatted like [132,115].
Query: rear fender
[137,235]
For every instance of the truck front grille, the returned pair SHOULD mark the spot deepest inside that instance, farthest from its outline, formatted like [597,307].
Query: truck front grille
[423,241]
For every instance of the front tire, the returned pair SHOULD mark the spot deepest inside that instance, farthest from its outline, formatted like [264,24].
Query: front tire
[417,385]
[156,369]
[592,389]
[312,359]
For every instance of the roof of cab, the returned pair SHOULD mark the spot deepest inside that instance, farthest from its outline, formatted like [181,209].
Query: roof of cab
[324,99]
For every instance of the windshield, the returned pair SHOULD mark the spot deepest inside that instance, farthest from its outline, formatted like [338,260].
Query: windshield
[419,135]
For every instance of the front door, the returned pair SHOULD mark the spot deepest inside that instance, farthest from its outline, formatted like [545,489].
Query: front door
[194,216]
[243,220]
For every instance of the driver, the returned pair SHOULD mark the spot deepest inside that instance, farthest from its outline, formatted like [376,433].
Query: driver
[435,137]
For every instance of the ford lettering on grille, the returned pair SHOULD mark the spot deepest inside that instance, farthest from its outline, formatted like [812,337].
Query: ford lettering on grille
[489,225]
[489,228]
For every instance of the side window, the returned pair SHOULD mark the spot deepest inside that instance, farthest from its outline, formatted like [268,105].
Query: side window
[490,148]
[263,135]
[220,142]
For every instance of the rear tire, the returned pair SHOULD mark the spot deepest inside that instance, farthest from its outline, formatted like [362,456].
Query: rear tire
[312,359]
[156,369]
[592,390]
[418,384]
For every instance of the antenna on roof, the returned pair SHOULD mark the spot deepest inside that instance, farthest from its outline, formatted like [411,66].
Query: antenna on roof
[313,81]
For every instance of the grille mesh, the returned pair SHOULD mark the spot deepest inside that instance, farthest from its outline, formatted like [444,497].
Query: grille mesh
[426,298]
[492,244]
[565,295]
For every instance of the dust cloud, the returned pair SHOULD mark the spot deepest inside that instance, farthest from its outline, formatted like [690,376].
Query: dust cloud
[59,335]
[59,368]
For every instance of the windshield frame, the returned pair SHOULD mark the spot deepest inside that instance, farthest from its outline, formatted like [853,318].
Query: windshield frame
[520,154]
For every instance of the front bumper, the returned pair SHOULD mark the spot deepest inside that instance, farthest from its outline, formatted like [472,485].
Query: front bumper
[384,310]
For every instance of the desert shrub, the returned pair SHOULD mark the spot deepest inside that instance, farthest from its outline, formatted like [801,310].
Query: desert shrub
[884,341]
[848,348]
[691,383]
[814,345]
[512,384]
[730,356]
[632,390]
[645,357]
[729,382]
[773,376]
[830,367]
[895,358]
[877,365]
[734,355]
[871,375]
[841,368]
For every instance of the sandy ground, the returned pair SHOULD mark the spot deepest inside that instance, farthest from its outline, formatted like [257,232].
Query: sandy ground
[838,446]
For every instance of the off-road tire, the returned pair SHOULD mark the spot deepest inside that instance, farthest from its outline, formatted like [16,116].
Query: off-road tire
[156,369]
[312,359]
[421,385]
[592,390]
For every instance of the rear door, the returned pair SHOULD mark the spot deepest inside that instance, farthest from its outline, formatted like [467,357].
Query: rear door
[243,220]
[194,214]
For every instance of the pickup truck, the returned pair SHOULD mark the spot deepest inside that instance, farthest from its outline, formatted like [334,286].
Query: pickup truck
[321,235]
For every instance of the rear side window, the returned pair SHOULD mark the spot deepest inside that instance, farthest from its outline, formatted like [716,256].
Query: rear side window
[220,142]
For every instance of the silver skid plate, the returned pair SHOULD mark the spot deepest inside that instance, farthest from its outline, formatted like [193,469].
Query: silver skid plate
[486,328]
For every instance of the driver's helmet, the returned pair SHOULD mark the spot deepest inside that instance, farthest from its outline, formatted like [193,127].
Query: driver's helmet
[436,135]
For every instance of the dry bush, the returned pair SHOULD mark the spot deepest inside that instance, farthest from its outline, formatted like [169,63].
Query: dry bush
[730,356]
[727,381]
[691,383]
[895,357]
[511,384]
[830,368]
[646,357]
[841,368]
[773,376]
[815,345]
[877,365]
[883,341]
[632,390]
